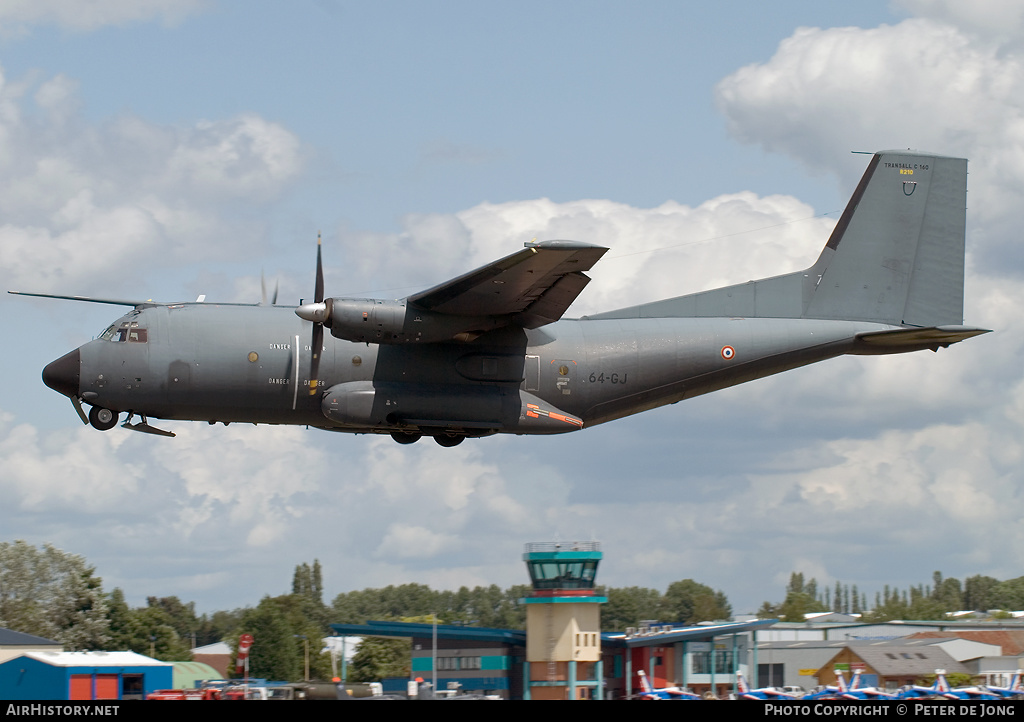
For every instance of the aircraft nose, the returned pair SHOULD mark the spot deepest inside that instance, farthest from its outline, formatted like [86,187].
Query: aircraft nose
[63,375]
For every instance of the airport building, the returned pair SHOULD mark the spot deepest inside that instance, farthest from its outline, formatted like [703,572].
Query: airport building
[563,654]
[82,676]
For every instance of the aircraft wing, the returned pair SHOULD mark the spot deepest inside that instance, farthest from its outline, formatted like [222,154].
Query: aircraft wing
[536,284]
[121,301]
[111,301]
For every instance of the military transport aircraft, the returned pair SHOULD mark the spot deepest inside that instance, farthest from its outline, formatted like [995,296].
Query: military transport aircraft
[488,352]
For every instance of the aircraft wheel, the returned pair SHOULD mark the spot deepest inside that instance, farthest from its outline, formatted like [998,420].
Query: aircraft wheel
[403,438]
[102,419]
[449,441]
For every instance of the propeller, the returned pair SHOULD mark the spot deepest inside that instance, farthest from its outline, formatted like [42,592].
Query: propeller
[316,313]
[263,288]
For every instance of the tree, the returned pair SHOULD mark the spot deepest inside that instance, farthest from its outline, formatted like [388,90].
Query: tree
[180,615]
[151,632]
[948,593]
[120,616]
[52,594]
[281,630]
[768,611]
[218,626]
[628,606]
[307,586]
[689,602]
[1009,594]
[979,592]
[801,599]
[274,654]
[377,658]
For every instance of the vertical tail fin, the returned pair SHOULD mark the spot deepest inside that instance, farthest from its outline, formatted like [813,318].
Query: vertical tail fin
[896,256]
[645,684]
[741,683]
[940,681]
[841,681]
[897,253]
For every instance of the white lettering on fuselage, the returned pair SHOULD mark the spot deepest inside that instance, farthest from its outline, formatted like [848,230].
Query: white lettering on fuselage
[281,346]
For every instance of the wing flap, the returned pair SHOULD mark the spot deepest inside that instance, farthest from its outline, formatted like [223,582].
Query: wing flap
[551,304]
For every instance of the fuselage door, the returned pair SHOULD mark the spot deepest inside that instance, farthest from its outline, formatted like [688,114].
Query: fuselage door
[531,372]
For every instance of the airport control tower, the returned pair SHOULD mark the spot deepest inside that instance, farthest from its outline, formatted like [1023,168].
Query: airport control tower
[563,622]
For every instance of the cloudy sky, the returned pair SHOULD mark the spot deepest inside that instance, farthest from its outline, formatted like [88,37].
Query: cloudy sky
[164,149]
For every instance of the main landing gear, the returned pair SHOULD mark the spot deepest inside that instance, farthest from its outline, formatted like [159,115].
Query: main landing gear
[443,440]
[403,438]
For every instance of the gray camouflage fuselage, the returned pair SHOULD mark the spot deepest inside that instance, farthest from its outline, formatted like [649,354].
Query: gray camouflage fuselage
[486,353]
[238,364]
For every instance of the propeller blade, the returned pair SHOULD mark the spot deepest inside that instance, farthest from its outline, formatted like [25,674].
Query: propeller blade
[263,290]
[318,294]
[318,327]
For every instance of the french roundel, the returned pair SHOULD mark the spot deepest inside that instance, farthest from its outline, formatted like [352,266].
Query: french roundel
[728,352]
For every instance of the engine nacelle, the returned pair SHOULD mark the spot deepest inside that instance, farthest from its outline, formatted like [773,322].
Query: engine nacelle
[366,320]
[371,320]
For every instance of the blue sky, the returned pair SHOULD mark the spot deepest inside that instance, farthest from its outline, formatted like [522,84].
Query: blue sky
[165,150]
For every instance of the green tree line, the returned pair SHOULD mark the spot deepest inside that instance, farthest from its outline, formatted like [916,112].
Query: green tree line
[933,601]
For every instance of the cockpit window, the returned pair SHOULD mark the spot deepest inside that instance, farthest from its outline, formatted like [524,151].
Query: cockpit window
[126,332]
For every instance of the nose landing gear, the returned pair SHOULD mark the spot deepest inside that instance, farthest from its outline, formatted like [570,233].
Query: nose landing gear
[102,419]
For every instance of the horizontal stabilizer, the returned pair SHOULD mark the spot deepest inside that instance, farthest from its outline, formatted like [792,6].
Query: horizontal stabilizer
[914,339]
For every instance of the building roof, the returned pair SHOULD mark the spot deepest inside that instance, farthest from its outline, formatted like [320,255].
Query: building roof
[10,638]
[215,648]
[444,631]
[1010,641]
[939,638]
[665,635]
[894,660]
[186,674]
[95,659]
[670,635]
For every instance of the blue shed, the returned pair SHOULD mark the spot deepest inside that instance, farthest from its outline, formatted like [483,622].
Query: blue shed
[83,675]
